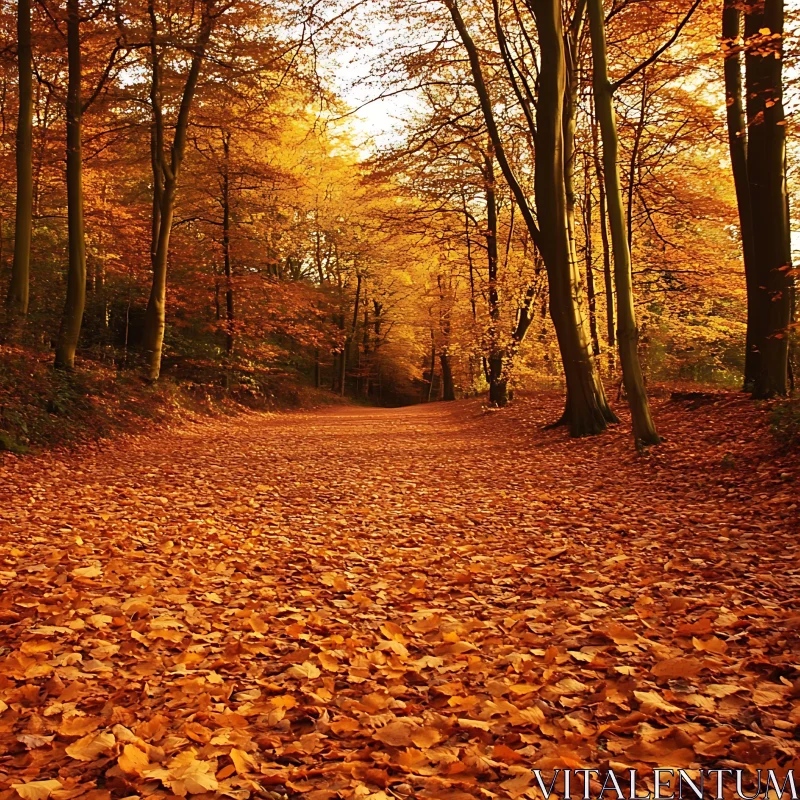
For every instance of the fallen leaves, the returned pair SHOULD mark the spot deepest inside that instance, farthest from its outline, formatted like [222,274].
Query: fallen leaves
[37,790]
[90,747]
[397,617]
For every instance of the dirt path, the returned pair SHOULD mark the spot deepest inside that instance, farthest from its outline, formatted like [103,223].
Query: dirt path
[361,603]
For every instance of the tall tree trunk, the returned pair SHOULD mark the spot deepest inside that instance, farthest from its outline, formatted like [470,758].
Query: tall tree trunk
[775,249]
[587,411]
[367,370]
[755,107]
[433,365]
[155,315]
[644,430]
[634,162]
[589,258]
[348,342]
[448,387]
[19,289]
[72,318]
[498,381]
[737,144]
[226,245]
[608,279]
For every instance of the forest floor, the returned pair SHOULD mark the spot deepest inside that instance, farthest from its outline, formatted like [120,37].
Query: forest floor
[421,603]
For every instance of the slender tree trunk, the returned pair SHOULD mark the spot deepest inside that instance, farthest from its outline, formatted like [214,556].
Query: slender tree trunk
[155,315]
[737,143]
[644,430]
[226,246]
[589,257]
[498,382]
[773,377]
[587,411]
[367,369]
[433,365]
[608,279]
[19,289]
[72,318]
[755,106]
[637,142]
[348,342]
[570,111]
[448,387]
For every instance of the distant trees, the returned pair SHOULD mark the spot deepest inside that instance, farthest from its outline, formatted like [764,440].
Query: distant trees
[208,210]
[19,286]
[757,139]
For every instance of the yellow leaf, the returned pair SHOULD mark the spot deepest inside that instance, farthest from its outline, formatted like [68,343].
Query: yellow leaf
[37,790]
[257,624]
[653,701]
[304,670]
[78,726]
[393,631]
[242,761]
[87,572]
[90,747]
[329,662]
[133,761]
[533,715]
[426,737]
[711,645]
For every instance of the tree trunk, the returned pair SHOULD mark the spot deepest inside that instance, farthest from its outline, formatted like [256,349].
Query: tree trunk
[348,342]
[773,378]
[155,315]
[587,411]
[433,365]
[72,317]
[226,247]
[755,93]
[448,388]
[608,280]
[589,258]
[737,144]
[644,430]
[634,162]
[498,392]
[19,289]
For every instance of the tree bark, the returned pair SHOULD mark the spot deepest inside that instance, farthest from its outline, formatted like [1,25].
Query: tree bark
[498,381]
[587,411]
[755,107]
[448,387]
[644,430]
[72,317]
[608,279]
[155,315]
[591,293]
[737,144]
[226,245]
[775,250]
[19,289]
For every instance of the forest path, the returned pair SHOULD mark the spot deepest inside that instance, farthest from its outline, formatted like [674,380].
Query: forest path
[420,602]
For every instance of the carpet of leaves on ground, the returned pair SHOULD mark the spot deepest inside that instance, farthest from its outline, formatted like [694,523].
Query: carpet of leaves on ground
[416,603]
